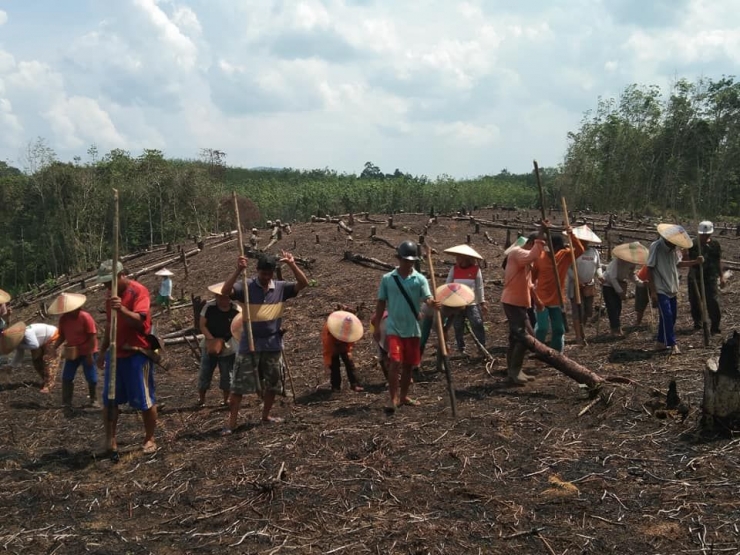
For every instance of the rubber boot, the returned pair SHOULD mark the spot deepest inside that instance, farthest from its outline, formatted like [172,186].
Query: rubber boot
[68,388]
[92,388]
[514,370]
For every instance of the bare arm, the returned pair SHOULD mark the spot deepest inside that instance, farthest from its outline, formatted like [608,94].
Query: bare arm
[228,286]
[300,277]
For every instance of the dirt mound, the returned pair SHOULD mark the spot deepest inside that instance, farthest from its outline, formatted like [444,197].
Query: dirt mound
[518,470]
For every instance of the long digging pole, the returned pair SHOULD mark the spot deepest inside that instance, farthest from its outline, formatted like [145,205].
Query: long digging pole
[702,291]
[113,346]
[549,240]
[576,280]
[247,316]
[442,348]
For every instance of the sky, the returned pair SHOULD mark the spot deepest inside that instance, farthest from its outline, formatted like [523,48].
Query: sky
[431,87]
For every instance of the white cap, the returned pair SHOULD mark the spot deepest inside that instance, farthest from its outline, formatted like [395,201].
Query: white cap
[706,228]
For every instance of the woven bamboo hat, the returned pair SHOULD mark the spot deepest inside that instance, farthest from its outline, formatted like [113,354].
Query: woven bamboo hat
[164,272]
[454,295]
[676,235]
[66,302]
[520,242]
[345,326]
[4,296]
[216,288]
[634,253]
[12,337]
[585,233]
[465,250]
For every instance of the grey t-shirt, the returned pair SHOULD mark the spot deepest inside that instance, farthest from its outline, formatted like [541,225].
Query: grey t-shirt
[663,260]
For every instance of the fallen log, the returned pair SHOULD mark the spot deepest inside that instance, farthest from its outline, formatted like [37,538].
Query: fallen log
[367,261]
[344,227]
[182,339]
[376,239]
[178,333]
[560,362]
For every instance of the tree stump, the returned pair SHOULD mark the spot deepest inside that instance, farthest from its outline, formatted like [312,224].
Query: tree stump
[721,403]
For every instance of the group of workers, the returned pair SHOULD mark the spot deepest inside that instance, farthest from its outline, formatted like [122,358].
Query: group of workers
[247,344]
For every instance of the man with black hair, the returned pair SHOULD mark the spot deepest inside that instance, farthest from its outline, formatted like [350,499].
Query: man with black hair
[266,297]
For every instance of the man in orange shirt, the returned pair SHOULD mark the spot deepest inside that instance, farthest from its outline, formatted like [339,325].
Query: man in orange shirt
[547,289]
[516,299]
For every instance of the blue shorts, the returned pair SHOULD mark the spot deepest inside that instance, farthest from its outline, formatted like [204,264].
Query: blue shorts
[134,382]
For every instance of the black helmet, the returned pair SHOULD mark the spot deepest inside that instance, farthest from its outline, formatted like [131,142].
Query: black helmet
[408,251]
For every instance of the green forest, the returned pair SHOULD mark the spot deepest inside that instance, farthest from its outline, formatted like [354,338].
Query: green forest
[648,149]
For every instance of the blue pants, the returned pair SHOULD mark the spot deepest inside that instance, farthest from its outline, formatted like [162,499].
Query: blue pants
[667,320]
[475,317]
[134,381]
[554,315]
[70,369]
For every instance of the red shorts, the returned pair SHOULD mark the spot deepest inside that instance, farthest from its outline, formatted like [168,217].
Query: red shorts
[404,349]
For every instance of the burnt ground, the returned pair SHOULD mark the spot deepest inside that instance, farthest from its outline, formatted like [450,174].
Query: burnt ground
[518,470]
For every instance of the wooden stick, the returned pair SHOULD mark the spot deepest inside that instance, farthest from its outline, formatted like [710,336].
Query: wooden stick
[247,316]
[576,282]
[290,375]
[442,346]
[113,346]
[702,291]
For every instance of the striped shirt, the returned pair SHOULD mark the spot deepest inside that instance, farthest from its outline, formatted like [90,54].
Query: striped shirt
[266,313]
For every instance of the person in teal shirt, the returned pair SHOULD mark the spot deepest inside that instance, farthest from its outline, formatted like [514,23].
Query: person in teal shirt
[401,293]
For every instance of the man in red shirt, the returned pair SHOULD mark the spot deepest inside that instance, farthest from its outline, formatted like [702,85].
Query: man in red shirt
[134,370]
[77,329]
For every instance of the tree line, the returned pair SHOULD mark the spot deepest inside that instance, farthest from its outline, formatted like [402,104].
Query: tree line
[56,217]
[655,151]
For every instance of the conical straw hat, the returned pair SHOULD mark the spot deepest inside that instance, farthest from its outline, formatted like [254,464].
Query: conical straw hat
[12,337]
[164,272]
[454,295]
[345,326]
[4,296]
[66,302]
[676,235]
[216,288]
[520,242]
[465,250]
[585,233]
[634,253]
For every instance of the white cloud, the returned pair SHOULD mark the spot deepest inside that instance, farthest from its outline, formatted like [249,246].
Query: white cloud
[182,48]
[441,86]
[79,121]
[469,134]
[3,17]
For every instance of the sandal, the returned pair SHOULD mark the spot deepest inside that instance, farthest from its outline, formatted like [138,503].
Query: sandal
[357,388]
[409,402]
[226,431]
[149,448]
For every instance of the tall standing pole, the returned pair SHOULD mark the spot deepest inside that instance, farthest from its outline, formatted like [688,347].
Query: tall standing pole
[549,239]
[702,291]
[113,346]
[442,346]
[576,279]
[247,316]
